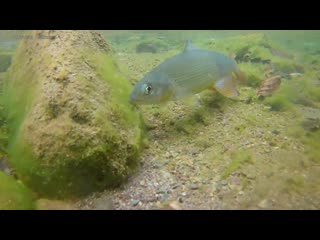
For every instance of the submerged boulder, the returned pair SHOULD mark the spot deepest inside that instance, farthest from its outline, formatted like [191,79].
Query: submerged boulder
[5,61]
[152,45]
[72,129]
[13,195]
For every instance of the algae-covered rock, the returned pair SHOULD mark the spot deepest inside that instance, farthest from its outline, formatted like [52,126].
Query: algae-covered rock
[257,48]
[254,73]
[5,61]
[72,129]
[152,45]
[252,47]
[13,195]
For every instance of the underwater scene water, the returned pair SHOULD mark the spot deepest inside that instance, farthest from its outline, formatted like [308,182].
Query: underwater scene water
[169,120]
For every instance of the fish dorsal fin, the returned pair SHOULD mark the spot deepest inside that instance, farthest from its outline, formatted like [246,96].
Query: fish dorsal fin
[189,46]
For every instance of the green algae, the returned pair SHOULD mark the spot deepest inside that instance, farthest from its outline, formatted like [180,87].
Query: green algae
[238,160]
[14,195]
[254,73]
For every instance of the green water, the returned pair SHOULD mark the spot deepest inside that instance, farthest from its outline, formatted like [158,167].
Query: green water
[208,152]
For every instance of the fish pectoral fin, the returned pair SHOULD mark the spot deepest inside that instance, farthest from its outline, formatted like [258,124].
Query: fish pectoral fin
[227,87]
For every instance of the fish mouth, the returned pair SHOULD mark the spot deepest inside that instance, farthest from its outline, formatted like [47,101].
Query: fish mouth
[133,100]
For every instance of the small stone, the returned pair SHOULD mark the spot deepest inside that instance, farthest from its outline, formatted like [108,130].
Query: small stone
[135,202]
[250,172]
[142,183]
[214,187]
[263,204]
[224,182]
[163,197]
[272,144]
[157,165]
[184,194]
[195,152]
[174,206]
[176,186]
[248,100]
[162,190]
[180,200]
[267,150]
[193,187]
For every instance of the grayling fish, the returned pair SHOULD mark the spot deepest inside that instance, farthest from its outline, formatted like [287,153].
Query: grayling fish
[188,73]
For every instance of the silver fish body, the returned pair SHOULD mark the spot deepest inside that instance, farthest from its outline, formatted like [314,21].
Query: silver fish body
[185,74]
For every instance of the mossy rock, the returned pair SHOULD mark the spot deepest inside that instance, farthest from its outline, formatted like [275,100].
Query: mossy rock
[246,47]
[285,65]
[302,91]
[254,73]
[152,45]
[5,61]
[255,48]
[72,128]
[13,195]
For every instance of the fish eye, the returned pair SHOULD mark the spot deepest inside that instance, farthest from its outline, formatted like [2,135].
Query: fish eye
[148,89]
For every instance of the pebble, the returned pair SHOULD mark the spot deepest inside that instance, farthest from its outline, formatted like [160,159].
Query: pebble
[248,100]
[135,202]
[142,183]
[250,173]
[195,152]
[163,197]
[162,190]
[224,182]
[272,144]
[193,187]
[214,187]
[157,165]
[263,204]
[174,206]
[176,186]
